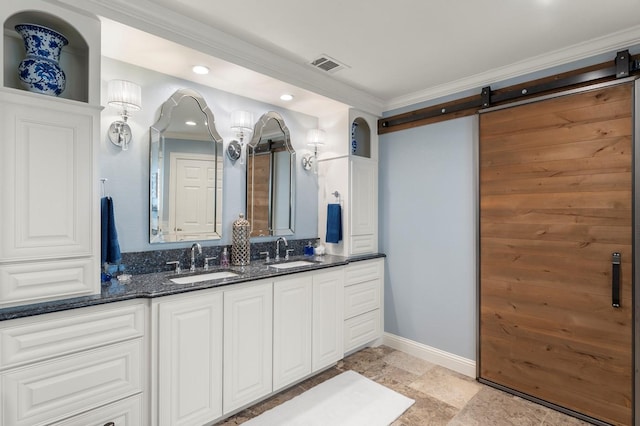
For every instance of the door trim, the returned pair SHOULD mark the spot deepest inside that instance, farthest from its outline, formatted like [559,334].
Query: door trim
[635,244]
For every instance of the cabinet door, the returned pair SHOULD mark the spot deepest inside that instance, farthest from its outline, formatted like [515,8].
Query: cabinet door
[364,207]
[328,317]
[291,330]
[190,360]
[47,209]
[248,344]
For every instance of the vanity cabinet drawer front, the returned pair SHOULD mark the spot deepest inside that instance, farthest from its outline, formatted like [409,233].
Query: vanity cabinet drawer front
[363,271]
[48,391]
[50,280]
[361,330]
[51,335]
[127,412]
[361,298]
[363,244]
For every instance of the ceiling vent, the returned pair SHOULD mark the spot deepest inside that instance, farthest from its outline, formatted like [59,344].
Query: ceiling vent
[327,63]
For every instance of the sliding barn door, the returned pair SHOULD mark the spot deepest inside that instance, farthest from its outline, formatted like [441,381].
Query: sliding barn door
[555,205]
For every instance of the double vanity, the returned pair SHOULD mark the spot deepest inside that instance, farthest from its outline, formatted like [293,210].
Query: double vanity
[189,348]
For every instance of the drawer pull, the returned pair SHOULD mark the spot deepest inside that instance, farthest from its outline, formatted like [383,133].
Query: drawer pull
[110,424]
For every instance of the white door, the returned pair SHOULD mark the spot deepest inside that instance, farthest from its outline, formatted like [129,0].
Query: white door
[328,318]
[192,188]
[248,344]
[291,329]
[190,360]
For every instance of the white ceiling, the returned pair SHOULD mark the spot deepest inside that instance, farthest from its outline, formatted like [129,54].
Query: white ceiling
[397,53]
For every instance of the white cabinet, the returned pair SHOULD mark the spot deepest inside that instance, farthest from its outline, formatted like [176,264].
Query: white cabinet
[328,317]
[363,306]
[363,217]
[57,366]
[49,218]
[248,344]
[48,215]
[350,170]
[189,353]
[291,329]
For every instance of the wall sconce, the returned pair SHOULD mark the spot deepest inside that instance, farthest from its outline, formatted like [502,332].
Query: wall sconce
[241,122]
[315,138]
[128,96]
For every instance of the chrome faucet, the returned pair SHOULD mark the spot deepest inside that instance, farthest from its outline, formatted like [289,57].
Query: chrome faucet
[194,246]
[283,239]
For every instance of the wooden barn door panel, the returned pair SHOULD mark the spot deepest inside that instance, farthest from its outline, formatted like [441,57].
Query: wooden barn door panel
[555,203]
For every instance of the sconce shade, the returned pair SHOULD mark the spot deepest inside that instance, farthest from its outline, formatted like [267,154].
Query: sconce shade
[242,121]
[315,137]
[124,94]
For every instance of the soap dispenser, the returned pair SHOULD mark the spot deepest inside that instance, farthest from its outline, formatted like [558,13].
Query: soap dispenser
[224,258]
[308,250]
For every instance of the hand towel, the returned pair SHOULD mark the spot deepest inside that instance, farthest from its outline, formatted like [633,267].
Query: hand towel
[334,223]
[110,252]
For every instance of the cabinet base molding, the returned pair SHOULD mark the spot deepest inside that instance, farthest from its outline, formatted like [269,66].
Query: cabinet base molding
[428,353]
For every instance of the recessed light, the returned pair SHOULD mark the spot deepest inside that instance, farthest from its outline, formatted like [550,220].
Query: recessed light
[286,97]
[190,123]
[200,69]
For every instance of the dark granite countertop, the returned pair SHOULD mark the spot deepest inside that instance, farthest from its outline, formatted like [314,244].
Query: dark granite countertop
[158,284]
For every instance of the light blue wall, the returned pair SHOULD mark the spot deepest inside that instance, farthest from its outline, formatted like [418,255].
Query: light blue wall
[427,218]
[128,172]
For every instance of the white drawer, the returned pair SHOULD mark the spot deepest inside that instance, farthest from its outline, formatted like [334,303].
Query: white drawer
[362,297]
[35,282]
[361,330]
[45,336]
[363,244]
[50,391]
[363,271]
[127,412]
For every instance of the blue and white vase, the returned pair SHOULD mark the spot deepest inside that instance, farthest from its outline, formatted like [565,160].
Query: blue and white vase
[354,141]
[39,70]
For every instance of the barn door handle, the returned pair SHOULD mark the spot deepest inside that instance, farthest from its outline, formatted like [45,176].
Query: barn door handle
[615,279]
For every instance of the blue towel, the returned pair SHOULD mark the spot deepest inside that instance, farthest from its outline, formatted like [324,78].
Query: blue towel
[334,223]
[110,245]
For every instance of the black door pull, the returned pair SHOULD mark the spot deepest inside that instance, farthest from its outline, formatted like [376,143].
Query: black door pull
[615,280]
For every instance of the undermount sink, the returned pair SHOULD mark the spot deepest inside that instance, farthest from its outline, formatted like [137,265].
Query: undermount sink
[293,264]
[203,277]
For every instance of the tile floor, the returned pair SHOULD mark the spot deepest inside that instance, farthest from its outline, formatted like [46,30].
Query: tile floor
[443,397]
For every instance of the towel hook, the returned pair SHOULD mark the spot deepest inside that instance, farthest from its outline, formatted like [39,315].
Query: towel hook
[337,195]
[103,180]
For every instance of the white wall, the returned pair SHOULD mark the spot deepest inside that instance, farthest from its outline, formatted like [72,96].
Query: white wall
[427,219]
[128,172]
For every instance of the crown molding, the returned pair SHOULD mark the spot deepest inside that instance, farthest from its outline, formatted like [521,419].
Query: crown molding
[610,43]
[159,21]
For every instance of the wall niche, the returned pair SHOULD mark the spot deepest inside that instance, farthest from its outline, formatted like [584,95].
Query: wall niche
[360,138]
[74,58]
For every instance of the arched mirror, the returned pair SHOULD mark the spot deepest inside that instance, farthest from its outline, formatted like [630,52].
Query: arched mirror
[185,172]
[271,178]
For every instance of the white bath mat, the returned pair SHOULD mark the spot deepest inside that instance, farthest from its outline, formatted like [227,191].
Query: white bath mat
[348,399]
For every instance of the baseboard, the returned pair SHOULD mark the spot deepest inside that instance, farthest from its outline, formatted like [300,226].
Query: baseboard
[445,359]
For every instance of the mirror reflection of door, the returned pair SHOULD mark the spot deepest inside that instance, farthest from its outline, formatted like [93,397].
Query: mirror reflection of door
[192,206]
[258,194]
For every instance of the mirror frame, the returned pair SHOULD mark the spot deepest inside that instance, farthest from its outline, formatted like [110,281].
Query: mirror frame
[156,142]
[258,130]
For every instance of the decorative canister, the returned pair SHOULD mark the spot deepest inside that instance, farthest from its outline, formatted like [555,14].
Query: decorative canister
[240,249]
[39,70]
